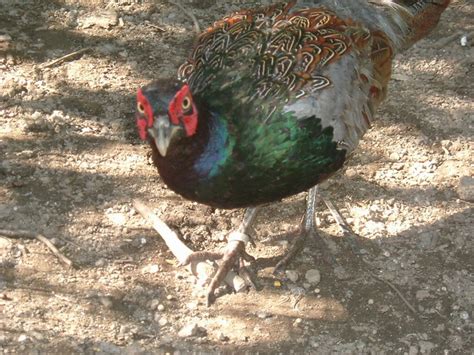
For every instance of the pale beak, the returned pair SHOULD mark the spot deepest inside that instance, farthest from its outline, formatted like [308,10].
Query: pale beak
[163,132]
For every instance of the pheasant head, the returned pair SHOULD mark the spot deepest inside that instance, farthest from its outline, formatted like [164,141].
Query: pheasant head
[165,113]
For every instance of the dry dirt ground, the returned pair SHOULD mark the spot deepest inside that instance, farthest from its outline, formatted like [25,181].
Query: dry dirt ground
[71,164]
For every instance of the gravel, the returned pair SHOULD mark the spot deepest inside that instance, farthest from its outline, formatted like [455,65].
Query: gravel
[71,163]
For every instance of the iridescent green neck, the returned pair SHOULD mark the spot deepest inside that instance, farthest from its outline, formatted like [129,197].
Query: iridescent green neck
[217,150]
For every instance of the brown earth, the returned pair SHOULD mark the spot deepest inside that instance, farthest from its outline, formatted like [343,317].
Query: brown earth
[71,163]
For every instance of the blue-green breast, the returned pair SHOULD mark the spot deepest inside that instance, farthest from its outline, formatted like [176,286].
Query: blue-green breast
[246,163]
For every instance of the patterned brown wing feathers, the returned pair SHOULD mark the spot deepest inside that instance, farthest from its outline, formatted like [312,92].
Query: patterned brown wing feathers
[282,52]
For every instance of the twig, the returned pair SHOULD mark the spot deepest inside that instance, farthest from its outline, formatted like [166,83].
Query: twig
[346,230]
[348,234]
[30,235]
[443,42]
[65,57]
[394,288]
[202,270]
[197,27]
[161,29]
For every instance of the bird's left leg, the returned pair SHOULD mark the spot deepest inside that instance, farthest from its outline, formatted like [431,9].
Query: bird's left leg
[307,228]
[235,250]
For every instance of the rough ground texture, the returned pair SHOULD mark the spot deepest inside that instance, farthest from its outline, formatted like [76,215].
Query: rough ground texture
[71,164]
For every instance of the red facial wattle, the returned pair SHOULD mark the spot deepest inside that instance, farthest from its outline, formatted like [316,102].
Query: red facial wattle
[142,128]
[182,110]
[144,116]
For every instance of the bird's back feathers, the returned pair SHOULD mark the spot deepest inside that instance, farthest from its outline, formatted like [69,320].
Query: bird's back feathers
[285,92]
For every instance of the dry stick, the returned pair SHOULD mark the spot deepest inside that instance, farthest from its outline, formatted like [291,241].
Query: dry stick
[202,270]
[443,42]
[197,28]
[346,229]
[65,57]
[397,291]
[161,29]
[30,235]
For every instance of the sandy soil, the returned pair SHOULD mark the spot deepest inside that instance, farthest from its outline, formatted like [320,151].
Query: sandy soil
[71,163]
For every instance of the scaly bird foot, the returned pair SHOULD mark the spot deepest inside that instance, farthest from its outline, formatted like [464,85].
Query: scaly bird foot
[298,244]
[292,251]
[308,228]
[235,250]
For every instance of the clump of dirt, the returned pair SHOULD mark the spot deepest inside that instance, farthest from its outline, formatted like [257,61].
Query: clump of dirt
[71,163]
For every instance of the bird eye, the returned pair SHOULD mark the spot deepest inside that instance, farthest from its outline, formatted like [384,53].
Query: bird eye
[140,107]
[186,105]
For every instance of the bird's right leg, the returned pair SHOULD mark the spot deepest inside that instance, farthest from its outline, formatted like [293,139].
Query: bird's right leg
[234,250]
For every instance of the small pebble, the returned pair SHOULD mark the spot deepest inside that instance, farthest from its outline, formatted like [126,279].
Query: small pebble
[102,19]
[163,321]
[292,275]
[154,304]
[422,294]
[5,38]
[351,172]
[464,315]
[160,308]
[263,315]
[297,322]
[106,301]
[313,276]
[426,347]
[124,330]
[188,330]
[371,301]
[223,337]
[151,269]
[341,273]
[465,188]
[100,263]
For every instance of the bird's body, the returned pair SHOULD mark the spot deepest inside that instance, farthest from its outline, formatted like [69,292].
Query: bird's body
[284,94]
[273,100]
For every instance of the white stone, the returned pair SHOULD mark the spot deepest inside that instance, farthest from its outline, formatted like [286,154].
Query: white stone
[292,275]
[313,276]
[119,219]
[151,269]
[188,330]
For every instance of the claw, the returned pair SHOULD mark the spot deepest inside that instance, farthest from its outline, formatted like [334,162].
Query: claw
[292,251]
[247,257]
[200,256]
[233,251]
